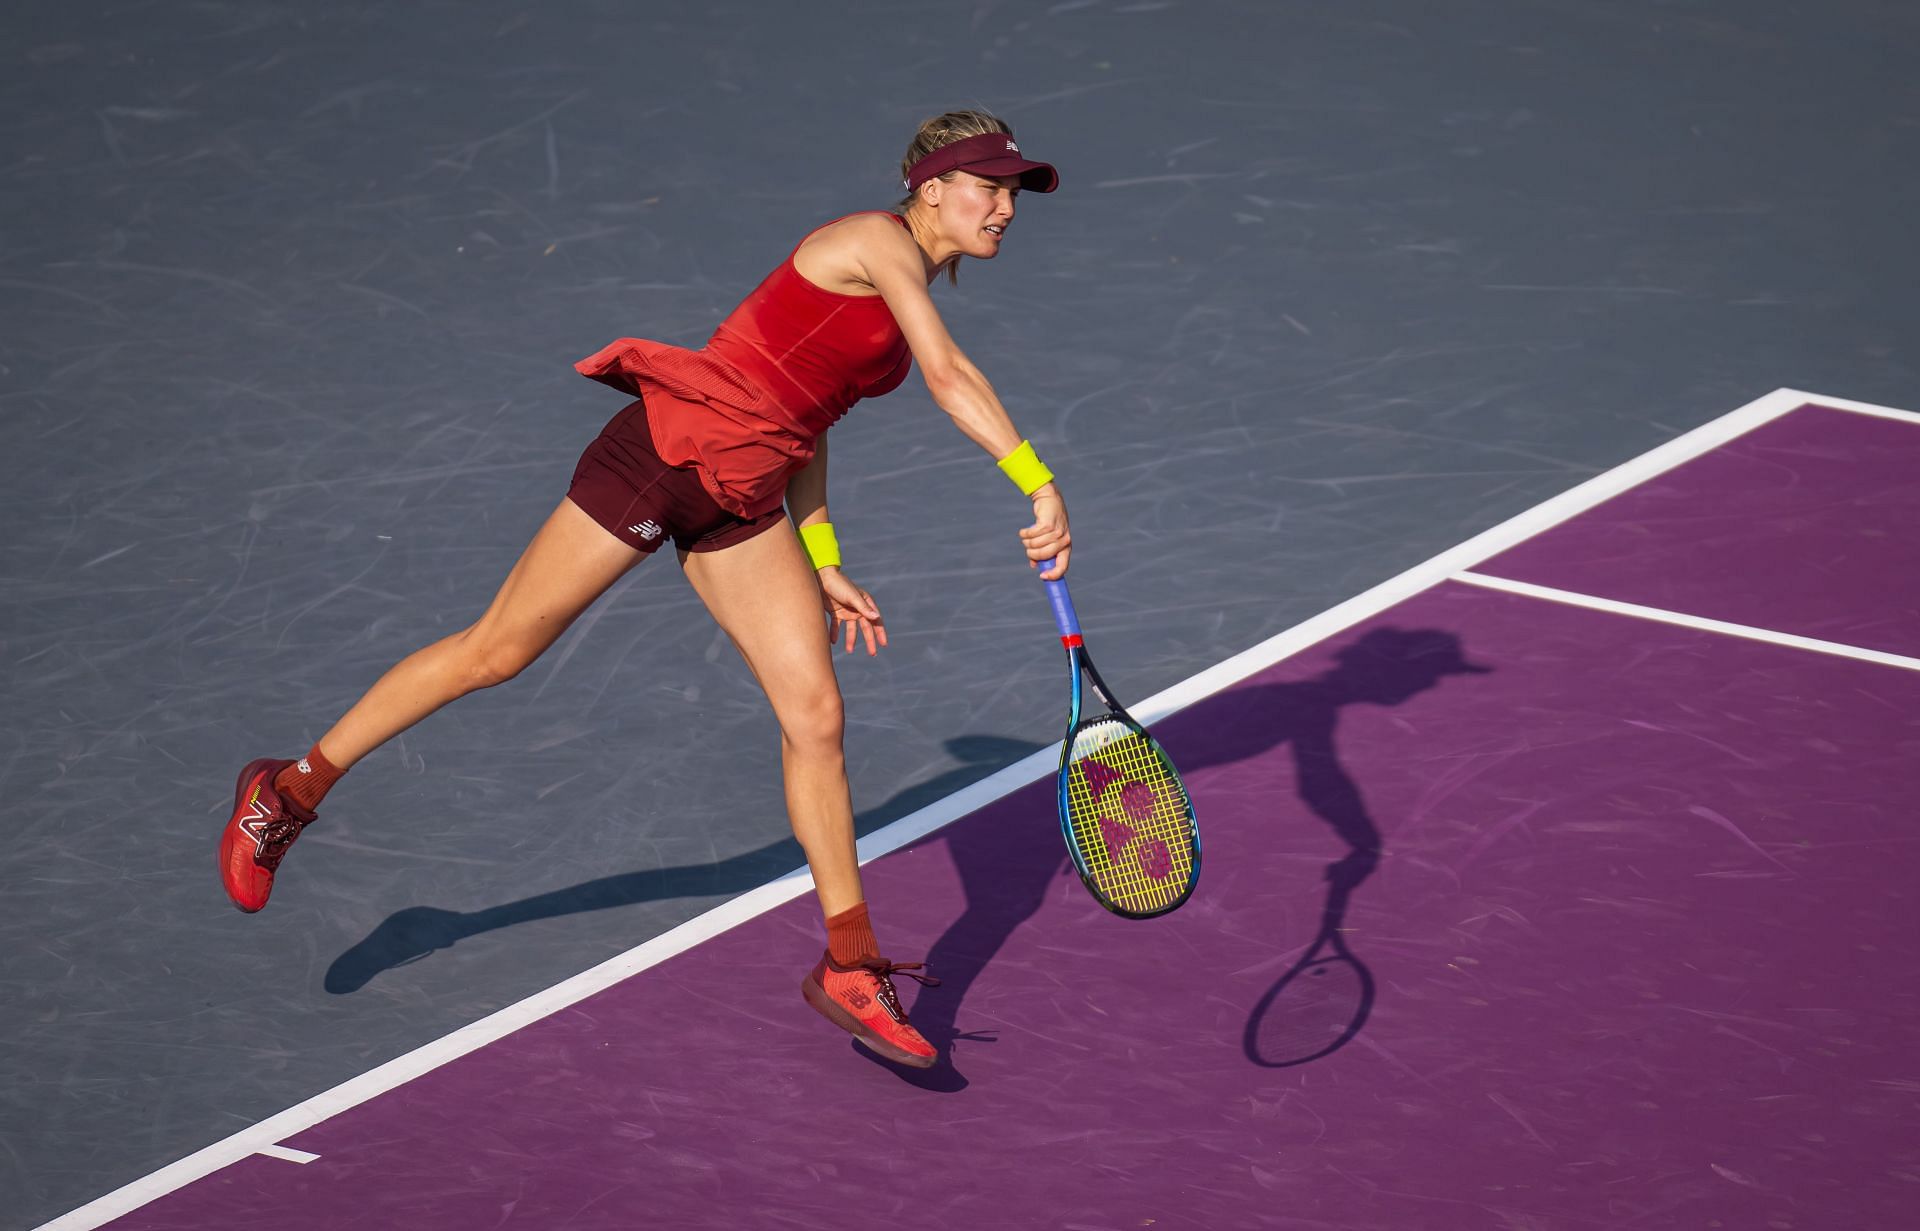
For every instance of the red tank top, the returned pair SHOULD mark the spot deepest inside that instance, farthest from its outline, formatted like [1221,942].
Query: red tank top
[745,411]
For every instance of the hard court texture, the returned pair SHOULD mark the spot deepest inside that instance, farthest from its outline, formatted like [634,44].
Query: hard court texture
[1639,939]
[288,303]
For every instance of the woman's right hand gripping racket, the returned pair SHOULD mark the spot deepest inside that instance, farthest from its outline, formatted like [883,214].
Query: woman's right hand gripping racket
[1123,810]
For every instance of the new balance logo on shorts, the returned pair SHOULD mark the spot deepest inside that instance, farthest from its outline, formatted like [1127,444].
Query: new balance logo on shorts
[646,530]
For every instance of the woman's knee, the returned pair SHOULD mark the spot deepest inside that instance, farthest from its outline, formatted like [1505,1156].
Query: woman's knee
[814,722]
[488,661]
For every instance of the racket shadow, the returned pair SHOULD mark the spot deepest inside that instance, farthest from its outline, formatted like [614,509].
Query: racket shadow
[1321,1003]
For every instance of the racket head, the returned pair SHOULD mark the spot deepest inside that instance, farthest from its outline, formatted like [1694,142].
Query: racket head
[1126,818]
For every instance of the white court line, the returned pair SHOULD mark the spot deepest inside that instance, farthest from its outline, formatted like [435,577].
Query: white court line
[288,1153]
[430,1056]
[1663,616]
[1864,408]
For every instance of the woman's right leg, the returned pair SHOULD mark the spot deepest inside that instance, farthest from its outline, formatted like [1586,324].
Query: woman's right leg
[571,562]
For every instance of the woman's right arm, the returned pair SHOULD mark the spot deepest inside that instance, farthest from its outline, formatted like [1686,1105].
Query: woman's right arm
[893,264]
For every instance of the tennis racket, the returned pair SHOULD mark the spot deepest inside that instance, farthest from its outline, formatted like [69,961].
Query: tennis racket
[1124,813]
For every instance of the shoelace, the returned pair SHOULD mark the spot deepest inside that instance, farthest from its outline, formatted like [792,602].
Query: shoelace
[883,972]
[881,968]
[275,838]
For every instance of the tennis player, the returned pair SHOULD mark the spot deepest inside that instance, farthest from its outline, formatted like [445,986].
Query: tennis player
[715,443]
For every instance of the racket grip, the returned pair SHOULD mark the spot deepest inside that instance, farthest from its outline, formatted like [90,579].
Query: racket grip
[1063,613]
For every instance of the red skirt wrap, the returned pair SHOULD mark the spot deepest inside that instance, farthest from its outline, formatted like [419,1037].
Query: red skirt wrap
[708,417]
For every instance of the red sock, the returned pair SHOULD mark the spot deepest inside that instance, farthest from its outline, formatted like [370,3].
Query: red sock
[307,781]
[850,936]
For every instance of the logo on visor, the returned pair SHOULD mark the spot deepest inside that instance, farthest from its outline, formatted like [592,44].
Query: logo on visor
[1013,147]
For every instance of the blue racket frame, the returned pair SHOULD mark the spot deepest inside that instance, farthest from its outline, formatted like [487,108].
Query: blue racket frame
[1079,662]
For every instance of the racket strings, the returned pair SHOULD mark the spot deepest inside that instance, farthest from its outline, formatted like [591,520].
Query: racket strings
[1129,816]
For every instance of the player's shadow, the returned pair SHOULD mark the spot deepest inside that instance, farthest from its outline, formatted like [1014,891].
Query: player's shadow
[1007,871]
[1322,1001]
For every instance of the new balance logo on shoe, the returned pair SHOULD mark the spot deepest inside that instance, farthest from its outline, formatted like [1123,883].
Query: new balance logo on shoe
[255,823]
[302,766]
[646,530]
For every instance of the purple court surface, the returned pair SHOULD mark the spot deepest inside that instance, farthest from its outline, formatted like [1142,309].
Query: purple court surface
[1805,525]
[1638,941]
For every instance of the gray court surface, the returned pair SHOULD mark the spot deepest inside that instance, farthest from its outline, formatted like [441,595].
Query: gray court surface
[288,302]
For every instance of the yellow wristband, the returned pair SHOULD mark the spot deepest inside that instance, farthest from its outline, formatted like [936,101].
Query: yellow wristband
[822,547]
[1027,471]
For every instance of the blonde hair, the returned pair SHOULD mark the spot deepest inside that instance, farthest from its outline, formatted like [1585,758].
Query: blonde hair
[945,130]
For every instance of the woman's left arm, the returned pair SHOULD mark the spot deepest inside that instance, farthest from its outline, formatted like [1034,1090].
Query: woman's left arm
[849,608]
[807,488]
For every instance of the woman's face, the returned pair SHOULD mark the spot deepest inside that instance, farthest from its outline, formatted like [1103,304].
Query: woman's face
[975,212]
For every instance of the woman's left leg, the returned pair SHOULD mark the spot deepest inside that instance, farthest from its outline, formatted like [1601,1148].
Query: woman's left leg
[763,595]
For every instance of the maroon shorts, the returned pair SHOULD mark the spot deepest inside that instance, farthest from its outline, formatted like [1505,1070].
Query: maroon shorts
[640,500]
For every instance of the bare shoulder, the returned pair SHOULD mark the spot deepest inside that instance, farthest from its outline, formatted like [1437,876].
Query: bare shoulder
[838,256]
[874,226]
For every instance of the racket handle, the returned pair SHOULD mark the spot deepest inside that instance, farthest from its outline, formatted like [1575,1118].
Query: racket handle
[1063,613]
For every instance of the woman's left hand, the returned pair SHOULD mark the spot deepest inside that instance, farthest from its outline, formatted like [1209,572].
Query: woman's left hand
[852,610]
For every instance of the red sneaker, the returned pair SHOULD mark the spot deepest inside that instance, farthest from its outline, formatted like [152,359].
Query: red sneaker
[257,836]
[861,1001]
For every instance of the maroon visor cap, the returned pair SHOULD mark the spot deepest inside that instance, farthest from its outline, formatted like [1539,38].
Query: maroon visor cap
[989,154]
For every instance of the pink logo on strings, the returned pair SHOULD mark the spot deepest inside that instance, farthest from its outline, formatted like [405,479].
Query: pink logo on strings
[1139,801]
[1100,776]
